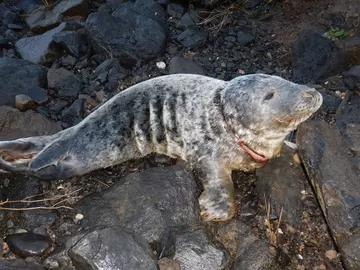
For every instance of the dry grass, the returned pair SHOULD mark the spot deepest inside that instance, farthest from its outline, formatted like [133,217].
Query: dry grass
[272,229]
[46,3]
[220,17]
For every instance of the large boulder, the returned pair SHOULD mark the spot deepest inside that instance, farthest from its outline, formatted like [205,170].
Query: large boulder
[315,57]
[133,31]
[17,77]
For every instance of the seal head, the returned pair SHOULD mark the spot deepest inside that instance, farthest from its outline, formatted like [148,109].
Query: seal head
[260,110]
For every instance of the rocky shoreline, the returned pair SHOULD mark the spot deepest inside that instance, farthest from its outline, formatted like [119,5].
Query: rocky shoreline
[61,59]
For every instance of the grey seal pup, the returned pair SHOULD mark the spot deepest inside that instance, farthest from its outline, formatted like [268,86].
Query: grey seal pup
[215,126]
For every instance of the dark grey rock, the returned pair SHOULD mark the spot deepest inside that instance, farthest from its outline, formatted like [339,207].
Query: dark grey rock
[175,10]
[190,19]
[72,8]
[75,113]
[40,49]
[59,105]
[112,248]
[348,119]
[182,65]
[28,5]
[72,41]
[19,264]
[166,245]
[147,202]
[282,181]
[323,152]
[37,94]
[68,61]
[192,37]
[36,219]
[64,82]
[28,244]
[43,20]
[351,48]
[244,38]
[134,31]
[15,124]
[315,57]
[330,103]
[21,187]
[252,4]
[5,43]
[13,26]
[195,251]
[352,78]
[252,252]
[16,77]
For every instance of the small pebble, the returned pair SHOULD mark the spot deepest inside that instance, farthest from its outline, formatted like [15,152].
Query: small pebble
[79,217]
[331,254]
[20,231]
[23,102]
[161,65]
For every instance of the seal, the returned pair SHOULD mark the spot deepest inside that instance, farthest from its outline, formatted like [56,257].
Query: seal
[215,126]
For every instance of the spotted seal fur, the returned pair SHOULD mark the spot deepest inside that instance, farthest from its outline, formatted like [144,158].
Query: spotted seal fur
[215,126]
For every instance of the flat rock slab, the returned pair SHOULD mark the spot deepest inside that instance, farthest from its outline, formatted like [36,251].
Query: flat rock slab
[112,248]
[15,124]
[17,76]
[334,176]
[146,202]
[281,181]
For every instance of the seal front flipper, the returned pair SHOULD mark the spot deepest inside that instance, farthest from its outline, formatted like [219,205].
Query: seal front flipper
[217,202]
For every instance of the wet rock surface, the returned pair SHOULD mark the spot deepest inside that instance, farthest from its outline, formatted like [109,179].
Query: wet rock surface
[112,248]
[19,264]
[28,244]
[136,203]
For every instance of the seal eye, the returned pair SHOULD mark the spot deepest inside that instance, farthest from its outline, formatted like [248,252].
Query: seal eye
[269,96]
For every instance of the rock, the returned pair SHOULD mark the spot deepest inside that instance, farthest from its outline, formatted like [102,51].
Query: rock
[15,124]
[75,113]
[136,202]
[72,8]
[194,251]
[36,219]
[244,38]
[175,10]
[348,120]
[107,70]
[28,244]
[68,61]
[191,37]
[5,43]
[282,181]
[43,20]
[111,248]
[19,264]
[182,65]
[330,103]
[168,264]
[315,57]
[40,49]
[252,4]
[323,152]
[252,253]
[134,31]
[66,83]
[351,47]
[352,78]
[23,102]
[37,94]
[16,77]
[190,19]
[72,41]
